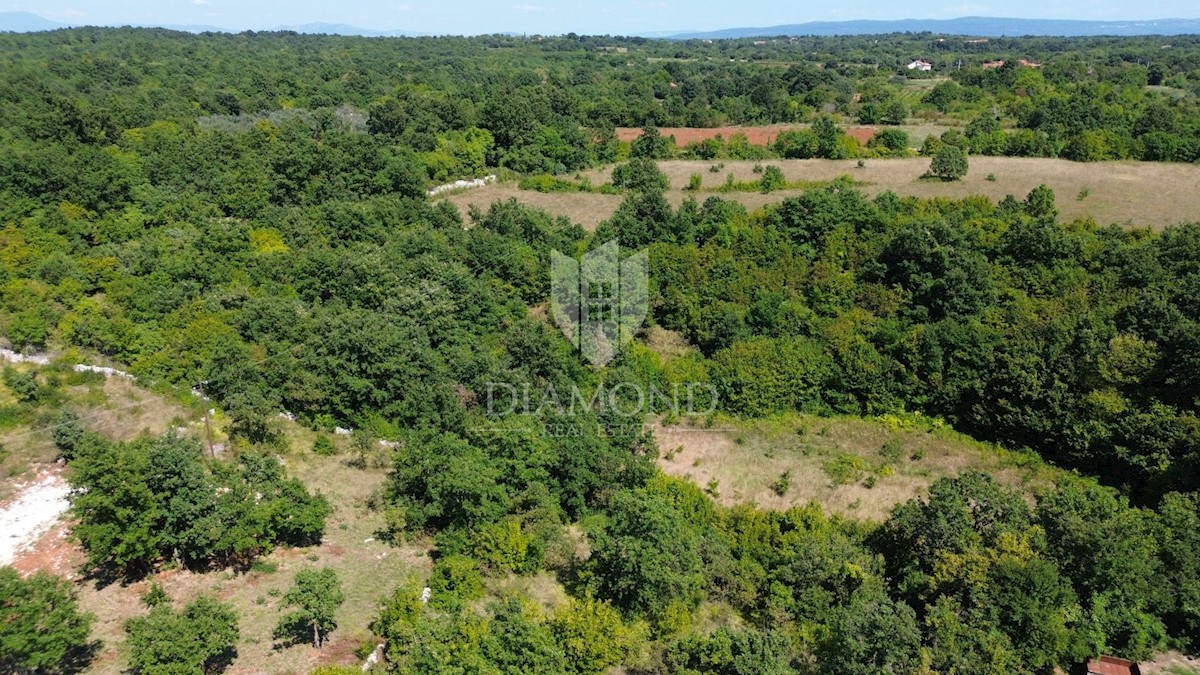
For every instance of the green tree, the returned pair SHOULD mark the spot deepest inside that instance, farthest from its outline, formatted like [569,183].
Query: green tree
[41,627]
[870,635]
[949,163]
[896,113]
[1181,561]
[772,179]
[640,175]
[646,560]
[829,138]
[651,145]
[200,639]
[316,596]
[1109,551]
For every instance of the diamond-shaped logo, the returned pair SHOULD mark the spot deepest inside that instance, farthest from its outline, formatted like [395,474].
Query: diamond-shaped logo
[599,301]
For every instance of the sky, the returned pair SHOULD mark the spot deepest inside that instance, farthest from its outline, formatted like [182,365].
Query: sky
[562,16]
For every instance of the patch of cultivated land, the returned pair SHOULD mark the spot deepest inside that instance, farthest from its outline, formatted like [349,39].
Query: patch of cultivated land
[1127,193]
[860,468]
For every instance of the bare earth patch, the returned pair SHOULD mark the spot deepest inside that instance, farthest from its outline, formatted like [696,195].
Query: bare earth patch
[31,513]
[1172,663]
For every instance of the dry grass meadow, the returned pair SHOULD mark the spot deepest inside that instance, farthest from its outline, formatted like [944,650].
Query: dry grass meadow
[1125,193]
[859,468]
[113,406]
[368,568]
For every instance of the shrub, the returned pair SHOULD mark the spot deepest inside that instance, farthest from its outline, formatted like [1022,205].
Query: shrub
[893,448]
[41,622]
[782,484]
[844,469]
[640,175]
[200,639]
[324,446]
[456,579]
[949,163]
[772,179]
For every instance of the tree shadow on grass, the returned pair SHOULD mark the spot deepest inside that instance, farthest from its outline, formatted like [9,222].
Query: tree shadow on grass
[78,659]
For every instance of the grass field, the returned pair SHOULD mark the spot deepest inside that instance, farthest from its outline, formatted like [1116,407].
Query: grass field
[1126,193]
[853,467]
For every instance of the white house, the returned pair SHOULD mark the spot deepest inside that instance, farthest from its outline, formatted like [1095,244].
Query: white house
[924,66]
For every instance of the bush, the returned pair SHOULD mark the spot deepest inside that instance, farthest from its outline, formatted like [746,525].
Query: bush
[893,449]
[949,163]
[844,469]
[894,141]
[41,624]
[640,175]
[772,179]
[505,547]
[455,580]
[324,446]
[200,639]
[24,384]
[782,484]
[68,433]
[548,183]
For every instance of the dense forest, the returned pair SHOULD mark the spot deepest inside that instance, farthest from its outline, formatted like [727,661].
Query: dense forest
[250,211]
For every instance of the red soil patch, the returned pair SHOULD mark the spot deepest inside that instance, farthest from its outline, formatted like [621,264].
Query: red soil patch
[337,653]
[54,552]
[756,135]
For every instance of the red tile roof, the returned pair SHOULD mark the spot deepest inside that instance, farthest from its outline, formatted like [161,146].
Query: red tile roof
[1111,665]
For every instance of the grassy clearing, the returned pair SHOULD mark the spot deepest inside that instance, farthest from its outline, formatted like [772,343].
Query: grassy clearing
[1140,193]
[112,406]
[853,467]
[588,209]
[1127,193]
[369,568]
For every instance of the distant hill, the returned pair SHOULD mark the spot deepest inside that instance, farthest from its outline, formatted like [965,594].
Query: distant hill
[24,22]
[343,29]
[982,26]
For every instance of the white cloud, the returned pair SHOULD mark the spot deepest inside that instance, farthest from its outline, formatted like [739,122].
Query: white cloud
[528,8]
[405,7]
[199,2]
